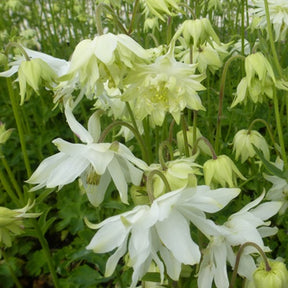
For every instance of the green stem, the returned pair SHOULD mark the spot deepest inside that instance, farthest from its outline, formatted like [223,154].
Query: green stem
[47,253]
[12,273]
[221,98]
[279,128]
[242,26]
[238,257]
[12,178]
[194,135]
[16,45]
[9,190]
[20,129]
[134,13]
[184,130]
[167,145]
[206,141]
[150,176]
[271,40]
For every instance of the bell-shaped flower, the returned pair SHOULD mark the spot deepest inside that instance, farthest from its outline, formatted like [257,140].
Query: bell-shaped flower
[276,277]
[163,86]
[279,189]
[198,32]
[106,58]
[247,225]
[162,229]
[11,222]
[243,143]
[221,170]
[89,160]
[258,82]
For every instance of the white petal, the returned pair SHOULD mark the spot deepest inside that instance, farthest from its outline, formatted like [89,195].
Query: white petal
[9,72]
[108,41]
[174,232]
[119,179]
[75,126]
[109,236]
[267,210]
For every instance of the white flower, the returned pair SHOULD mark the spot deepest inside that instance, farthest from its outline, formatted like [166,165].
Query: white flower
[278,10]
[162,228]
[59,66]
[279,189]
[96,163]
[105,59]
[247,225]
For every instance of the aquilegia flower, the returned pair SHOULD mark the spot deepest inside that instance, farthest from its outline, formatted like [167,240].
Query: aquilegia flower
[247,225]
[11,222]
[243,144]
[96,163]
[278,10]
[162,228]
[161,87]
[106,58]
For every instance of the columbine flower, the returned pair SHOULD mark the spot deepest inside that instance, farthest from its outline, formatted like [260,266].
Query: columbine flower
[160,7]
[177,173]
[106,58]
[247,225]
[11,222]
[4,134]
[278,10]
[162,228]
[96,163]
[40,68]
[198,32]
[279,189]
[161,87]
[221,170]
[277,277]
[243,144]
[259,80]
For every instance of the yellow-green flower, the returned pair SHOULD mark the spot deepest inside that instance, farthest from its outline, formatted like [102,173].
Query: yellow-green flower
[198,32]
[166,86]
[31,74]
[11,222]
[221,170]
[4,134]
[277,277]
[243,144]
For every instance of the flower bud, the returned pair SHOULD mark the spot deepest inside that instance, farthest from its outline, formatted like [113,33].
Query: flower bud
[221,171]
[198,32]
[277,277]
[201,144]
[4,134]
[243,144]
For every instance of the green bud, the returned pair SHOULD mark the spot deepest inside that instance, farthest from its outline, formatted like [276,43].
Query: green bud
[277,277]
[221,170]
[243,144]
[4,134]
[3,59]
[139,195]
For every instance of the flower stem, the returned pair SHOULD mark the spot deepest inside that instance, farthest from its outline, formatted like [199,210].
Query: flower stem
[150,176]
[221,97]
[184,130]
[134,13]
[12,273]
[238,257]
[161,157]
[47,253]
